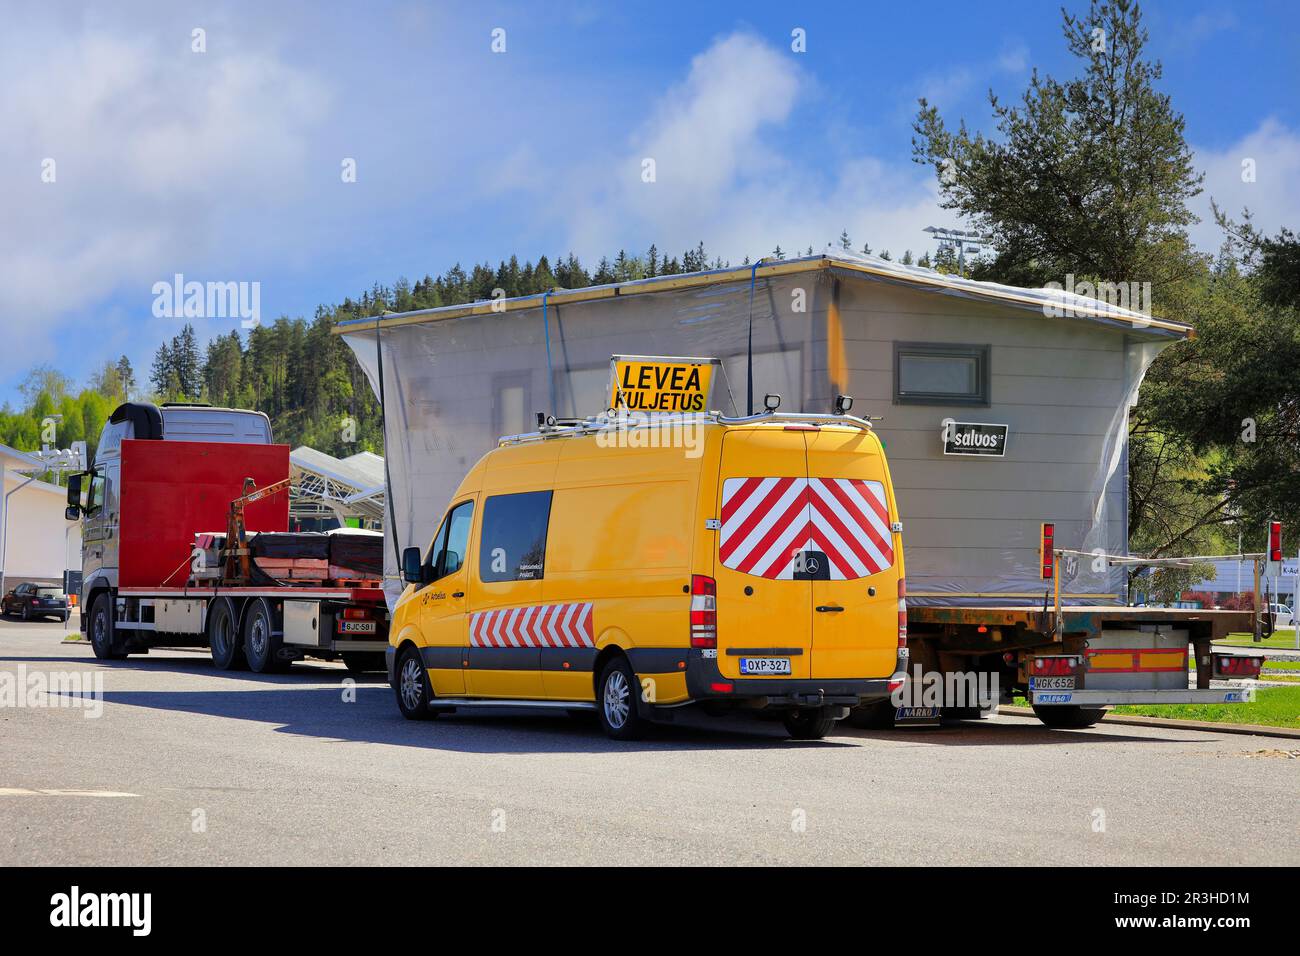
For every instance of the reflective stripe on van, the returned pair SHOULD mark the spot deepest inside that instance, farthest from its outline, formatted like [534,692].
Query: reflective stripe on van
[538,625]
[768,522]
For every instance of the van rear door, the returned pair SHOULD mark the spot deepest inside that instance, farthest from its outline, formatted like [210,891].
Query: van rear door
[764,613]
[854,632]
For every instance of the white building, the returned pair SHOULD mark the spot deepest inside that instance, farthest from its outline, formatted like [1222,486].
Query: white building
[36,542]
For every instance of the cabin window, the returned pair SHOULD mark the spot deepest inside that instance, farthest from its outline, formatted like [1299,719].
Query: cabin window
[447,553]
[513,542]
[930,373]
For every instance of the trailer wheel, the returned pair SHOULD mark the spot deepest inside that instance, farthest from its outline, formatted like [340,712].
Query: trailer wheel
[1069,717]
[874,716]
[101,629]
[224,638]
[261,643]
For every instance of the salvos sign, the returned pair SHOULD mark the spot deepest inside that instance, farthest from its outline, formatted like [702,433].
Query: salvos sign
[974,438]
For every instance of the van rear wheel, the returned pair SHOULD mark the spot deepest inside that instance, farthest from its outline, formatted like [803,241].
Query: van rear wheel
[616,704]
[1069,717]
[808,724]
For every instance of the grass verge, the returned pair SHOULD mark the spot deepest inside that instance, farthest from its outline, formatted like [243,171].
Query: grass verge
[1272,707]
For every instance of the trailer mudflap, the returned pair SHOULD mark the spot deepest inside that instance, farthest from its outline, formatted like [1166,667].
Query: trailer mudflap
[1103,698]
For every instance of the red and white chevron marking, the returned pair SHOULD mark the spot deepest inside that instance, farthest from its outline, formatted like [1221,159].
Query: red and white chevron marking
[767,522]
[540,625]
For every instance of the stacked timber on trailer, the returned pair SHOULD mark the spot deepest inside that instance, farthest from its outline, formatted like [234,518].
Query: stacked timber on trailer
[344,558]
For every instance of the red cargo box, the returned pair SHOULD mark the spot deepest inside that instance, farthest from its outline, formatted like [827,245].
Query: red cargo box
[173,489]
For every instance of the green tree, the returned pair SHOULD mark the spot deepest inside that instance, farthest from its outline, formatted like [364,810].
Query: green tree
[1088,176]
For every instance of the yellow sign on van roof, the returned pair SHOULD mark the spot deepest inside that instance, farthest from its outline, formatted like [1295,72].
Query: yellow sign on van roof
[658,384]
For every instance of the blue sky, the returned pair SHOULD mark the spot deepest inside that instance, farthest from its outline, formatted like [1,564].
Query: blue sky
[225,165]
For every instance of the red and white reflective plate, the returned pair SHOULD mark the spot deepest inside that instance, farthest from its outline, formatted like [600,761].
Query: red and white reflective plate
[768,522]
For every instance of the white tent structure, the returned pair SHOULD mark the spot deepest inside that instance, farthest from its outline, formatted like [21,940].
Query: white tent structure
[351,487]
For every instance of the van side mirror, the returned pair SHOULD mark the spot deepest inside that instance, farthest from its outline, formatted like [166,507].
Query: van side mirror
[412,566]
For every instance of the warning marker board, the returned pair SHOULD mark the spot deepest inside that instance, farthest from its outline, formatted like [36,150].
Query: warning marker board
[663,385]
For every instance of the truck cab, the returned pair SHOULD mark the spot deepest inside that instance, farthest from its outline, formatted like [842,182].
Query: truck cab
[94,496]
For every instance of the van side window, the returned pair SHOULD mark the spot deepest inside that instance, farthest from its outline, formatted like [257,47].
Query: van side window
[447,554]
[512,546]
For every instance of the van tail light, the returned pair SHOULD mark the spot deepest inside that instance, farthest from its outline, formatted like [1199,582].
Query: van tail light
[902,613]
[704,611]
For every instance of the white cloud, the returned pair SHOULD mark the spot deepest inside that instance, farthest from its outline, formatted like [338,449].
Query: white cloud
[727,171]
[1271,197]
[159,154]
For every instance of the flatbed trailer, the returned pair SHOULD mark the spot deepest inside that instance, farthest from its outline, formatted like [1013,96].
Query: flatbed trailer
[348,623]
[1099,656]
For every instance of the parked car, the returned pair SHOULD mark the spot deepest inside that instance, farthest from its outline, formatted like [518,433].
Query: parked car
[36,600]
[1282,616]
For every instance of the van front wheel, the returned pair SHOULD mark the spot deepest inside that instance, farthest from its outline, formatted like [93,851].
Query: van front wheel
[808,724]
[412,686]
[616,702]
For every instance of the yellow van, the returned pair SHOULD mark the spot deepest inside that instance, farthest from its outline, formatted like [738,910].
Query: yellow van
[633,568]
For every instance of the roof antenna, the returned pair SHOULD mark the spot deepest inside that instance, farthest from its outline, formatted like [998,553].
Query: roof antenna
[749,355]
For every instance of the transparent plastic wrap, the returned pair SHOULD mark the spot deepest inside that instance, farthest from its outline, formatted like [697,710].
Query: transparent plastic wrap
[453,383]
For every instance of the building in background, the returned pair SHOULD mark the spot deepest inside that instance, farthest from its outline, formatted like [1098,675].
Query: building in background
[36,542]
[1238,577]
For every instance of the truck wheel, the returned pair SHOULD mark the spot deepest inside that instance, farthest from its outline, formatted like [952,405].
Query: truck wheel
[362,662]
[616,702]
[808,724]
[101,629]
[261,643]
[223,637]
[412,686]
[1069,717]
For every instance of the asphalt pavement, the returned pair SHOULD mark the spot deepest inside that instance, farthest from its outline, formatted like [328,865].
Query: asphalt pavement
[162,760]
